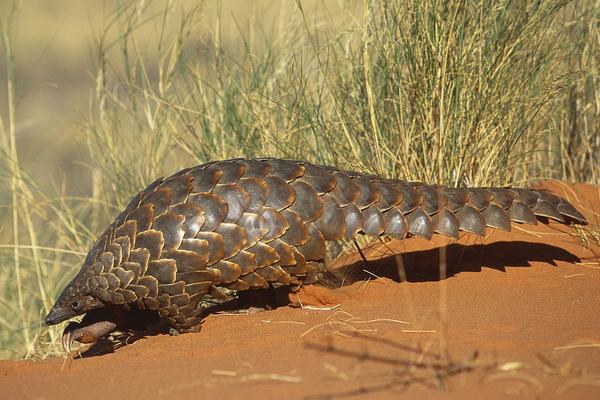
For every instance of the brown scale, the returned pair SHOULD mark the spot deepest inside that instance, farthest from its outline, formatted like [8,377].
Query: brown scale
[233,225]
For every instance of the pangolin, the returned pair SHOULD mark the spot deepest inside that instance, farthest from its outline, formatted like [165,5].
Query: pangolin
[209,231]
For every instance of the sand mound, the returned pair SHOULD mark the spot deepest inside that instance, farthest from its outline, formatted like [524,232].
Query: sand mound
[517,314]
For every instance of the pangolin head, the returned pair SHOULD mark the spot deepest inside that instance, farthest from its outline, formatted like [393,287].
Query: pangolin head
[75,299]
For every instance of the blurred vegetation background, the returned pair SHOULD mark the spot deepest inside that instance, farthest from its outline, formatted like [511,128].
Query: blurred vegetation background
[97,99]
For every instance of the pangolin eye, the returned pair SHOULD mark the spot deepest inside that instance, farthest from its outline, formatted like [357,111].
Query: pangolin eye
[76,305]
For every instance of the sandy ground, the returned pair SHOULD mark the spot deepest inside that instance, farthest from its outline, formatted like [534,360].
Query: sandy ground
[518,317]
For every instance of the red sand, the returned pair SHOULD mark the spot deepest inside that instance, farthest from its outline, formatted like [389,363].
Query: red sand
[527,304]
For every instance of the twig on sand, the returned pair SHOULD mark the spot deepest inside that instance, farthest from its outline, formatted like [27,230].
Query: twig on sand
[271,377]
[343,321]
[429,370]
[521,376]
[579,346]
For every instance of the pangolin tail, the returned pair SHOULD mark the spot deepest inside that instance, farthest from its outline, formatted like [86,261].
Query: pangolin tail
[450,210]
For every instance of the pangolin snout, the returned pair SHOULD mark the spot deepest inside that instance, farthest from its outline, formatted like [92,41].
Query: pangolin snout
[56,316]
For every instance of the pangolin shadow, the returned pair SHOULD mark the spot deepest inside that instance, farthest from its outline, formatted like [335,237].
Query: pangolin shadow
[424,265]
[417,266]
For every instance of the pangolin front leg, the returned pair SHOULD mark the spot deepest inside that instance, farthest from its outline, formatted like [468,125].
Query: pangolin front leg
[199,236]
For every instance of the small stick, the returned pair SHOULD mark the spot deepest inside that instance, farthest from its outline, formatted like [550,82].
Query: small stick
[362,255]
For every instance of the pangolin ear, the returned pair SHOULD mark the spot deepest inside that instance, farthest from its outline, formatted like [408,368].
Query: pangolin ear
[92,303]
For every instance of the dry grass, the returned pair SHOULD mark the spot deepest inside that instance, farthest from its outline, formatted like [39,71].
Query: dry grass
[464,93]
